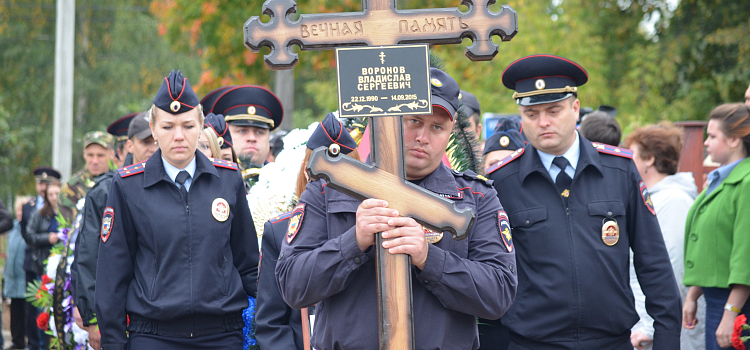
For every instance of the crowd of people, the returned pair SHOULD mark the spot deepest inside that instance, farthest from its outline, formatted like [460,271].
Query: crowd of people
[580,239]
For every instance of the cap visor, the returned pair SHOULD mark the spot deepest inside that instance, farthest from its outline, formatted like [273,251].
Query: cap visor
[143,134]
[540,99]
[254,123]
[438,101]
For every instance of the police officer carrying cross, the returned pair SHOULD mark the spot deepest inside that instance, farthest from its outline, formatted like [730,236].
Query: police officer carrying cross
[577,209]
[328,256]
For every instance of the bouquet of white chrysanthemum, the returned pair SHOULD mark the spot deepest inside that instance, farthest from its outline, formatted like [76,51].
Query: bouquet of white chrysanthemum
[273,194]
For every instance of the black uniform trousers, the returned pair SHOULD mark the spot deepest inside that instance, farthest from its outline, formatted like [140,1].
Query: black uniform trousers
[143,341]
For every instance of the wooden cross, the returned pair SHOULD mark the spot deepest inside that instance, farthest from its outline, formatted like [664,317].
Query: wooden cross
[380,23]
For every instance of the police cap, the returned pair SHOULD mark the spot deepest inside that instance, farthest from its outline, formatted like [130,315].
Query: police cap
[45,173]
[508,136]
[175,95]
[541,79]
[209,100]
[331,131]
[469,103]
[119,129]
[217,123]
[444,90]
[250,105]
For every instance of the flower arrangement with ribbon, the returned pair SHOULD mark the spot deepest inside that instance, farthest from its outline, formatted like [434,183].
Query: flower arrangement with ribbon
[738,340]
[53,293]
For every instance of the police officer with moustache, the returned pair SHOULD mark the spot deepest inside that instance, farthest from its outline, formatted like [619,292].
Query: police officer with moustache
[139,147]
[327,257]
[251,112]
[179,253]
[577,208]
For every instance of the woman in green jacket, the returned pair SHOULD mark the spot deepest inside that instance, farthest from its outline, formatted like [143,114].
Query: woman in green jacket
[717,234]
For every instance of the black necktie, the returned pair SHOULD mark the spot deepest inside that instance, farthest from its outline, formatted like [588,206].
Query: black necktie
[182,176]
[563,181]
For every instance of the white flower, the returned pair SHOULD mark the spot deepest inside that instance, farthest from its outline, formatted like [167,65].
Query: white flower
[273,194]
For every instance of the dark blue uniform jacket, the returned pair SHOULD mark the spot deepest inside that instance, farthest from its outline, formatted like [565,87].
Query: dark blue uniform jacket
[574,290]
[461,279]
[277,325]
[176,270]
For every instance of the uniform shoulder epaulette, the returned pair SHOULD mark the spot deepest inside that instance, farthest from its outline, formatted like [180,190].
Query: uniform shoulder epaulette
[280,217]
[473,176]
[513,156]
[615,151]
[221,163]
[131,170]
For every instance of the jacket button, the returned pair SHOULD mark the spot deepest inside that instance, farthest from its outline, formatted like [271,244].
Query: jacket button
[528,222]
[357,260]
[694,237]
[609,213]
[512,268]
[702,209]
[689,264]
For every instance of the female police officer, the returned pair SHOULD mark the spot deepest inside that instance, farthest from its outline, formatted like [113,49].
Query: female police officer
[179,253]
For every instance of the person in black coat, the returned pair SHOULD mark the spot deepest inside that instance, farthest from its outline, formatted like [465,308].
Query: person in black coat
[178,253]
[278,325]
[43,176]
[140,146]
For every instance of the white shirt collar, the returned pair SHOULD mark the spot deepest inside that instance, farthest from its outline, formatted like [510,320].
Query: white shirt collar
[172,170]
[572,155]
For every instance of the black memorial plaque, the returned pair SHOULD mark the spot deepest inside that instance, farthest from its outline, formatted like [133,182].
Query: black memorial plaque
[383,81]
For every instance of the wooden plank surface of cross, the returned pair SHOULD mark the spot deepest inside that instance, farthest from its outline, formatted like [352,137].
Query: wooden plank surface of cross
[379,24]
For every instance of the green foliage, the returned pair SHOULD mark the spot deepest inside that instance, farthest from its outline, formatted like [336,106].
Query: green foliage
[120,61]
[462,149]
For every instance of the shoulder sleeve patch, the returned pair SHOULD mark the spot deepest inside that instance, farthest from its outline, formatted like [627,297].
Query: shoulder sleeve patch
[295,222]
[646,197]
[221,163]
[107,220]
[513,156]
[615,151]
[280,217]
[503,226]
[131,170]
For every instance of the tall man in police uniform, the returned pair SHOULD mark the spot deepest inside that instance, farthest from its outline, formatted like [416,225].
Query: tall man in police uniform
[140,146]
[327,257]
[577,209]
[97,152]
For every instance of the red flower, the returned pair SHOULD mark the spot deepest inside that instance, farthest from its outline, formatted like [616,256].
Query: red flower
[46,279]
[43,287]
[42,321]
[737,342]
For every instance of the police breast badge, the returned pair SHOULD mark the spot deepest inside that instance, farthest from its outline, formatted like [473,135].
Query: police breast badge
[295,222]
[503,225]
[220,209]
[431,236]
[647,198]
[107,221]
[610,232]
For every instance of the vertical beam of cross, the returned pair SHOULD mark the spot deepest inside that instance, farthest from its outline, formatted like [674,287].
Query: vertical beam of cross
[395,312]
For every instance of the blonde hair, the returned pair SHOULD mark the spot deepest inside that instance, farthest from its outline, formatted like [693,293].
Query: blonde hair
[213,142]
[152,114]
